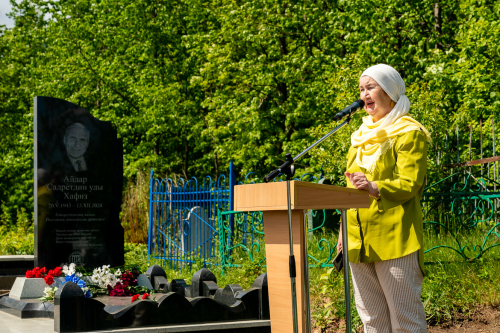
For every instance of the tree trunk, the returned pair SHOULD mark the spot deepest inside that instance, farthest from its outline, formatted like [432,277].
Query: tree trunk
[216,161]
[186,155]
[437,24]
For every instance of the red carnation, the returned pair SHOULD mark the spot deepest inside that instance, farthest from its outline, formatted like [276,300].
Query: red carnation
[145,296]
[29,274]
[38,274]
[57,271]
[43,270]
[135,297]
[49,279]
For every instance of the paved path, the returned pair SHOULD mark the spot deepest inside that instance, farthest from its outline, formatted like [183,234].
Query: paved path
[13,324]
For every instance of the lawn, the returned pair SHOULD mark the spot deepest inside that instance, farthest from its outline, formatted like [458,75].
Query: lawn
[453,287]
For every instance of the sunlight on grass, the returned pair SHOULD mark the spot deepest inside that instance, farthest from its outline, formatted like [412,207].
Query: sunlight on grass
[452,285]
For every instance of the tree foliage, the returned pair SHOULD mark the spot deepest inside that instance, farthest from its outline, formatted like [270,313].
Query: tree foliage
[191,85]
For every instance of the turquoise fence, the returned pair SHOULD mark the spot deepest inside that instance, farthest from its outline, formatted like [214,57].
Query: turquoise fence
[461,205]
[189,221]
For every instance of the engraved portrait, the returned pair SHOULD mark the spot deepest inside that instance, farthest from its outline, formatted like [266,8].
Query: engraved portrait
[76,141]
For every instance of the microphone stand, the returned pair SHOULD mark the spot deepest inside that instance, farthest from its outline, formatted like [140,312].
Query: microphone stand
[288,168]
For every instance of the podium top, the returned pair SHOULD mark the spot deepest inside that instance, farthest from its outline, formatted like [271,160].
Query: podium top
[304,195]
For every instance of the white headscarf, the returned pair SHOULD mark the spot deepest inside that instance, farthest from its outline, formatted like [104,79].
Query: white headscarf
[373,139]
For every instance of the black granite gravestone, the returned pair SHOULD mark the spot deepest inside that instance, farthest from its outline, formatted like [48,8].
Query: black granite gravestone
[73,312]
[78,187]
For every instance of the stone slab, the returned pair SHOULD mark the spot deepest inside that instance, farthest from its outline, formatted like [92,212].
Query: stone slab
[31,288]
[16,264]
[7,281]
[28,308]
[34,308]
[247,326]
[143,281]
[12,324]
[17,258]
[78,169]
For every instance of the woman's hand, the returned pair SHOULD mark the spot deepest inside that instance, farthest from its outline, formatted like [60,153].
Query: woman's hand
[359,181]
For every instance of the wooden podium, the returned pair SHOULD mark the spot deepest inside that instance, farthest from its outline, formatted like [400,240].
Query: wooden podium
[271,198]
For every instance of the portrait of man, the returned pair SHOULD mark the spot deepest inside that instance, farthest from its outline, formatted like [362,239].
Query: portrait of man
[76,141]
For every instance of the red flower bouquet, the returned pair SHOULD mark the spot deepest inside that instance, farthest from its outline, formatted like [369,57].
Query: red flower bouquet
[120,289]
[38,272]
[129,278]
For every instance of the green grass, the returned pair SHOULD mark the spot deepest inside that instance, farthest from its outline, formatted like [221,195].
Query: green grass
[453,287]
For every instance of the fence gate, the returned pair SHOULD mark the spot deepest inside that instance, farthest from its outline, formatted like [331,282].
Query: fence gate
[183,219]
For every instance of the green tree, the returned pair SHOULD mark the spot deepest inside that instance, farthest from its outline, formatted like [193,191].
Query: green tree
[191,85]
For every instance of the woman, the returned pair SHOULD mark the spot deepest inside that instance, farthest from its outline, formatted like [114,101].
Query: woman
[388,158]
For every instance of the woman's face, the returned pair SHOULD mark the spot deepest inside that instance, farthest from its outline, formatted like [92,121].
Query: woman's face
[377,102]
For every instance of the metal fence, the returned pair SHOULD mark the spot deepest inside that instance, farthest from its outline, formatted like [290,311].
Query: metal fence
[189,221]
[183,219]
[459,205]
[463,204]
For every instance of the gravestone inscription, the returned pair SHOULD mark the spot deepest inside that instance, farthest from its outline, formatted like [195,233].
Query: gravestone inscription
[78,186]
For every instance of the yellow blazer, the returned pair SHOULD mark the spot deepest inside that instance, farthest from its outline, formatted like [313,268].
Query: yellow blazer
[392,227]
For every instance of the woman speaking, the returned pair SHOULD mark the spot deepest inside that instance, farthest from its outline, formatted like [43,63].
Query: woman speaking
[388,158]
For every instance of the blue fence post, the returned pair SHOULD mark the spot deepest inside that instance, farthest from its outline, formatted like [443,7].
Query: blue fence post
[150,231]
[232,182]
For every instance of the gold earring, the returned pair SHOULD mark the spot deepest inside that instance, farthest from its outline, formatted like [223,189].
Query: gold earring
[392,104]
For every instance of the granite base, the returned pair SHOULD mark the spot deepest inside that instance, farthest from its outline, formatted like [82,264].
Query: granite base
[15,265]
[26,308]
[25,288]
[46,325]
[7,281]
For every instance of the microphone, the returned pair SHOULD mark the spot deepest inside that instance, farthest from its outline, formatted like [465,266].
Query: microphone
[350,110]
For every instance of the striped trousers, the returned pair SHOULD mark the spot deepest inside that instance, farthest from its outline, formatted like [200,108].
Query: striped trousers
[387,295]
